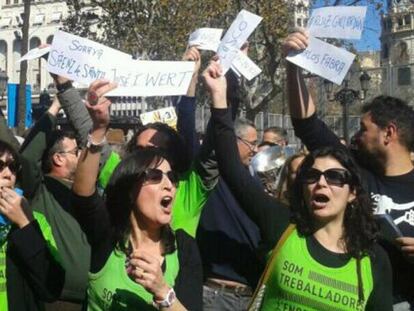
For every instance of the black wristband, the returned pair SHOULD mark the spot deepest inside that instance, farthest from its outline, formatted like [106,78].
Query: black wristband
[64,86]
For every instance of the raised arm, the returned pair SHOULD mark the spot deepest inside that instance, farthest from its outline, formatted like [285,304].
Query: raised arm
[77,114]
[33,148]
[88,165]
[186,105]
[270,215]
[312,131]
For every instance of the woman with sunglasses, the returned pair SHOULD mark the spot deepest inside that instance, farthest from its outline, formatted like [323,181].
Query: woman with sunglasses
[324,252]
[30,273]
[137,261]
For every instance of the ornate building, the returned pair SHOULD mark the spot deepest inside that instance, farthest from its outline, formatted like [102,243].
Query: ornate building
[45,18]
[397,49]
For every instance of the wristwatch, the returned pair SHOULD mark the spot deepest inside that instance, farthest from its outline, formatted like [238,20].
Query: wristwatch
[93,146]
[167,301]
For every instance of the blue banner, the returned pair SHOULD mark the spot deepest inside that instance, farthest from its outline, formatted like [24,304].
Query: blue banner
[13,105]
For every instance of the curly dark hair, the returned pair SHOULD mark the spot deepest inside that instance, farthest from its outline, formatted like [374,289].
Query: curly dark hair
[175,145]
[386,109]
[122,191]
[360,229]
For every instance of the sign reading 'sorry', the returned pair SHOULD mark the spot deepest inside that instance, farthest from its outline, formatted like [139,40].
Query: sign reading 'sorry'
[342,22]
[324,59]
[84,61]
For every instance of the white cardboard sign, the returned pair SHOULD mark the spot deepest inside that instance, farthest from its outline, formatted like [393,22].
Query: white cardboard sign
[342,22]
[35,53]
[238,33]
[245,66]
[206,38]
[84,61]
[323,59]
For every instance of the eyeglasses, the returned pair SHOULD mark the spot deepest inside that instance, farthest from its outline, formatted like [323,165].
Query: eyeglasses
[251,145]
[154,176]
[75,151]
[334,176]
[13,166]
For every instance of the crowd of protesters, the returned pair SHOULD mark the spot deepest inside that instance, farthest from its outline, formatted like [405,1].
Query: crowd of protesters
[172,223]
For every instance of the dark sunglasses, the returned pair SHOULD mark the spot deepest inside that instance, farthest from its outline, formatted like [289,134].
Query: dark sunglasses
[333,176]
[154,176]
[13,166]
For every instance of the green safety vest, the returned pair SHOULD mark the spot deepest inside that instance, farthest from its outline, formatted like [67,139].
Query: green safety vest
[50,242]
[298,282]
[112,289]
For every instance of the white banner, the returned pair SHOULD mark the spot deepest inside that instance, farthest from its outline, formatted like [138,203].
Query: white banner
[323,59]
[245,66]
[238,33]
[85,61]
[206,38]
[342,22]
[35,53]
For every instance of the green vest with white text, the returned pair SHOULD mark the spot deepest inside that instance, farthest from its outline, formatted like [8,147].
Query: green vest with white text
[112,289]
[298,282]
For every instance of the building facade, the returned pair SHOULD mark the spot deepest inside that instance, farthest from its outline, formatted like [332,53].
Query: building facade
[397,49]
[46,17]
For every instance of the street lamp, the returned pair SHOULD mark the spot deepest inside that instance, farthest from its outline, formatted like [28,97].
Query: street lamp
[3,83]
[347,96]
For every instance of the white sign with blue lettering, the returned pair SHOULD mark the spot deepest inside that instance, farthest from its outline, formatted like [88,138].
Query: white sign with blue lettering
[85,61]
[342,22]
[238,33]
[323,59]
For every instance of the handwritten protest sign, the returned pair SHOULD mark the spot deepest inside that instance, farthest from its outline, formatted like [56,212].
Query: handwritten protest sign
[164,115]
[84,61]
[342,22]
[206,38]
[35,53]
[239,31]
[323,59]
[245,66]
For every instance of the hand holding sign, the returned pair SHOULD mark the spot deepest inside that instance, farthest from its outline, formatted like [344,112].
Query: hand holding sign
[318,57]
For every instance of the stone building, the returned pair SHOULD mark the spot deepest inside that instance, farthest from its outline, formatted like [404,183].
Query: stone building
[45,18]
[397,49]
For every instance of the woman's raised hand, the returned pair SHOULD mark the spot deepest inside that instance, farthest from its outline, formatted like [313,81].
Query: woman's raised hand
[296,41]
[15,207]
[146,270]
[216,84]
[97,104]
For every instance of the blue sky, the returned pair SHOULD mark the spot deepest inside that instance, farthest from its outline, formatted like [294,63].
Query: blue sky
[372,31]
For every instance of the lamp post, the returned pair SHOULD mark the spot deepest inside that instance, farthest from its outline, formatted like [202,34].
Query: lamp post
[3,83]
[346,97]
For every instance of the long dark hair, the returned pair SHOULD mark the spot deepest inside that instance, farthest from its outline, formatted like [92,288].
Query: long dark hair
[122,190]
[175,145]
[360,229]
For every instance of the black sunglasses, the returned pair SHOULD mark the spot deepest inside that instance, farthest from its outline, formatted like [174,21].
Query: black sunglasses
[13,166]
[333,176]
[154,176]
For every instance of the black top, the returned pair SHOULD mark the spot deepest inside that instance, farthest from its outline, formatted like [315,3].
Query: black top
[391,195]
[228,239]
[33,275]
[94,221]
[273,218]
